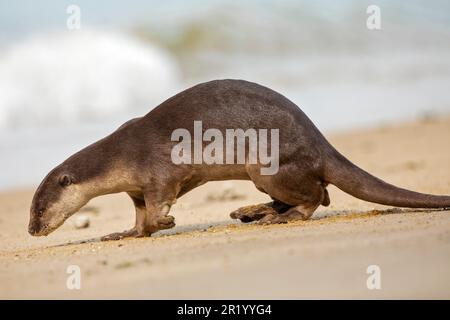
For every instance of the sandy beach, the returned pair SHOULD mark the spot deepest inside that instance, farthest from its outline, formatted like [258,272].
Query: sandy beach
[210,256]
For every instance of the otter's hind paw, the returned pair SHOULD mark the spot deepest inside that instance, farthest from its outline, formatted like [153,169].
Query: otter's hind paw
[253,212]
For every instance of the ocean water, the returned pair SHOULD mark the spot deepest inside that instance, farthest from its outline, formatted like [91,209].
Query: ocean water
[61,90]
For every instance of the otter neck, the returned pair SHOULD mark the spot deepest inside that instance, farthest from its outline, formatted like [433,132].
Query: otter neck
[99,172]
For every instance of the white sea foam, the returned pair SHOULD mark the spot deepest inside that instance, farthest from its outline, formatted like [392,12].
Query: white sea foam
[68,77]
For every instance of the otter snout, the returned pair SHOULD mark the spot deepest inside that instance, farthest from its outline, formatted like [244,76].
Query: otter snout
[36,227]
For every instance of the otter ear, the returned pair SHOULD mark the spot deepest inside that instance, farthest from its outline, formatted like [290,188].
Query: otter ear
[65,180]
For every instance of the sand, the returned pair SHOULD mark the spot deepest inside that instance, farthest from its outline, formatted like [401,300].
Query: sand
[208,255]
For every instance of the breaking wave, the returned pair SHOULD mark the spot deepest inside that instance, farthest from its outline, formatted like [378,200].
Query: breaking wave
[67,77]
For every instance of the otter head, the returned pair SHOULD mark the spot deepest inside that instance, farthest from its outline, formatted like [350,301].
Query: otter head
[57,198]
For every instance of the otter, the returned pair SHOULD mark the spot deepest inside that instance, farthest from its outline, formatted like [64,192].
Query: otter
[136,159]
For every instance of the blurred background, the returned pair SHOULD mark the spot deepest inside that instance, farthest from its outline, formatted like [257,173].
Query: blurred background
[62,88]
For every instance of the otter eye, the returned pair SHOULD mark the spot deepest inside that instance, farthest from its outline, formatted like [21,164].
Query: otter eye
[40,213]
[65,180]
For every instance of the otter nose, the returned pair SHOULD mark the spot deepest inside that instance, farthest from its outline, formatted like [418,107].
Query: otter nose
[33,227]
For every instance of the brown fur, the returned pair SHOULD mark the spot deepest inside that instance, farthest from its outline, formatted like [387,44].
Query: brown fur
[136,159]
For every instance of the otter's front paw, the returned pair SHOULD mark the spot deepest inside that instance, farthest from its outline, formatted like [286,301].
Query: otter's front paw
[165,222]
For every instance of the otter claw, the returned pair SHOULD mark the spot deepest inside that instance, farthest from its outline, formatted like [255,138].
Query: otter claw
[166,222]
[253,213]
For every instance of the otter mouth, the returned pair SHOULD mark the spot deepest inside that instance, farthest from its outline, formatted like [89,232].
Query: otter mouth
[43,230]
[38,229]
[38,233]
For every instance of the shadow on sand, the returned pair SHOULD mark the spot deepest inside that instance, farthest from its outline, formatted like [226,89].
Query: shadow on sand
[324,215]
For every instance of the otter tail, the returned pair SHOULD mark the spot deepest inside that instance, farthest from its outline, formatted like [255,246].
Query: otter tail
[360,184]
